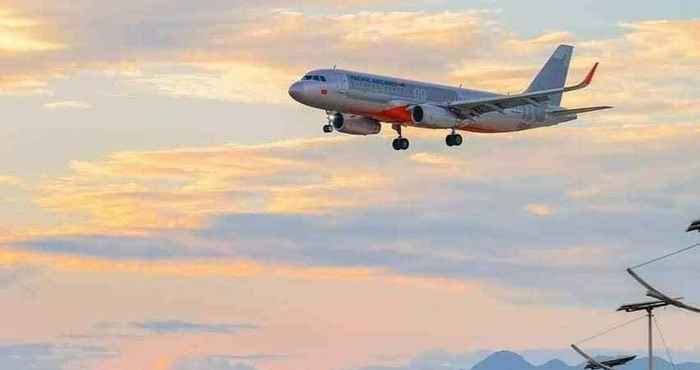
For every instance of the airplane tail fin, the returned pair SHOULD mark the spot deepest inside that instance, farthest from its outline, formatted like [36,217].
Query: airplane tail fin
[553,74]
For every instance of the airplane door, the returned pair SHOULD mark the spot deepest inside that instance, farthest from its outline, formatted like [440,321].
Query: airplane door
[343,84]
[540,114]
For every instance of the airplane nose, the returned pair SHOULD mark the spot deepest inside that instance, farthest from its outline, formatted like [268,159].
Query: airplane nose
[296,91]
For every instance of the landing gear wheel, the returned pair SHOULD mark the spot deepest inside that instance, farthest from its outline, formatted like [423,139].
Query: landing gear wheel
[400,143]
[453,140]
[404,143]
[327,129]
[396,144]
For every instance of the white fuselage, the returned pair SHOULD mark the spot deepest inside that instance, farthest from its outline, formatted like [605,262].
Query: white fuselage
[389,99]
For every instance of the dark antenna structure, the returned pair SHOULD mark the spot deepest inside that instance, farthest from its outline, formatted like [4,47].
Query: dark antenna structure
[649,307]
[661,300]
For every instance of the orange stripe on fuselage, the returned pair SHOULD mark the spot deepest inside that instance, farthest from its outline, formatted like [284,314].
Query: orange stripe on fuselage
[393,115]
[402,115]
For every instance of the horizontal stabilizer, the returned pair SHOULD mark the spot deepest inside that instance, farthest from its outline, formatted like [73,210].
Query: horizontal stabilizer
[568,112]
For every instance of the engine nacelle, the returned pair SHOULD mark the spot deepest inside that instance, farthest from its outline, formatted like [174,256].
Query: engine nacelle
[427,115]
[354,125]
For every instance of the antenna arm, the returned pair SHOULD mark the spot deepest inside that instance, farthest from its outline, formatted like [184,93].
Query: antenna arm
[590,359]
[655,293]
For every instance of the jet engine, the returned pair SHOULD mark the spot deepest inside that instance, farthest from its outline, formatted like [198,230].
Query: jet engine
[427,115]
[355,125]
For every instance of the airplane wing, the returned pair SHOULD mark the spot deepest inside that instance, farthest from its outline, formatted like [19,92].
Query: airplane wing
[477,107]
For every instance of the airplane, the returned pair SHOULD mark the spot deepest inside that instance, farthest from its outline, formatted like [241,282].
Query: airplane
[358,103]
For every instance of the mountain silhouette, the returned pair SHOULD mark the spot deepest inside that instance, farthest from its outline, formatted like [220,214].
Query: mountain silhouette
[505,360]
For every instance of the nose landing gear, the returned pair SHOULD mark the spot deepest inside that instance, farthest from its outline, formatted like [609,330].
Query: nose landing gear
[453,139]
[331,117]
[400,143]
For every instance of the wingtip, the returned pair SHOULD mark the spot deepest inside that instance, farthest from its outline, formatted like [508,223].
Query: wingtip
[591,74]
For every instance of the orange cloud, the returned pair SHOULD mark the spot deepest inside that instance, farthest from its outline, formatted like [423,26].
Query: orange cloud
[671,40]
[226,268]
[136,193]
[10,181]
[68,104]
[17,35]
[229,269]
[541,42]
[539,209]
[181,188]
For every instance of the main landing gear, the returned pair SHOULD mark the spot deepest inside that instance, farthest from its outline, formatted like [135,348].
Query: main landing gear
[400,143]
[453,139]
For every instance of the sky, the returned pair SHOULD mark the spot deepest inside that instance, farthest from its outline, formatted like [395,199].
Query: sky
[164,204]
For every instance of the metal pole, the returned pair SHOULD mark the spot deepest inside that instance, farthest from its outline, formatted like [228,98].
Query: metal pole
[651,339]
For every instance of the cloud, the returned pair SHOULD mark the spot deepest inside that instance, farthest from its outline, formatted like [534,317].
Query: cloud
[672,39]
[68,104]
[210,53]
[237,68]
[133,193]
[12,181]
[175,326]
[16,35]
[210,363]
[202,268]
[434,159]
[24,43]
[234,81]
[172,189]
[245,210]
[48,356]
[582,255]
[544,41]
[539,209]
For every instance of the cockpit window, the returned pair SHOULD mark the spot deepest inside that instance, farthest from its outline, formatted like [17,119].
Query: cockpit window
[314,78]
